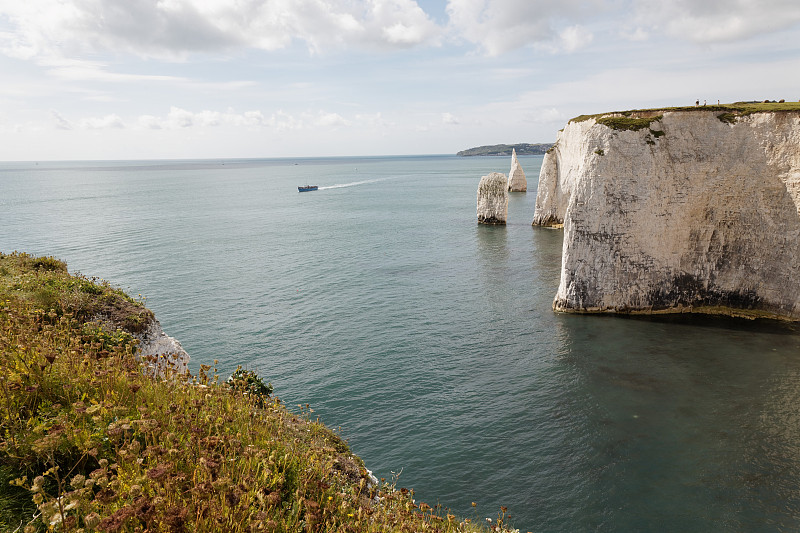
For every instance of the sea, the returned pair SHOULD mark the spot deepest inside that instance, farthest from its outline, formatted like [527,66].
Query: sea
[429,342]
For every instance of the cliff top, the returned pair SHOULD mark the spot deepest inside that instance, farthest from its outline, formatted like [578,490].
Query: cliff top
[640,118]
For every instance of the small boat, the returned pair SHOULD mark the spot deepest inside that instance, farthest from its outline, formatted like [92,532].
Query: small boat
[306,188]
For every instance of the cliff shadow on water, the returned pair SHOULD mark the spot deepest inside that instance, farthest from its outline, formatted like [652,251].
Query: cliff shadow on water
[678,210]
[686,420]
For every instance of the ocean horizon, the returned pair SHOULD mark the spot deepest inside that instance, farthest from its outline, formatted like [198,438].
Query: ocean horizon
[429,341]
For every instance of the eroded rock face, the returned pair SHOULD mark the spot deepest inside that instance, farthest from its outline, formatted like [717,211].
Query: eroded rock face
[516,177]
[493,199]
[154,342]
[692,213]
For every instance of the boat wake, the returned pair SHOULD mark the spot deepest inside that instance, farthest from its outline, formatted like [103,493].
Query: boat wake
[353,184]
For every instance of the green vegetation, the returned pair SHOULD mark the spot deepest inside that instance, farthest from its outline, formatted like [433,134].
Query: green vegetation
[505,149]
[640,118]
[628,123]
[92,440]
[600,151]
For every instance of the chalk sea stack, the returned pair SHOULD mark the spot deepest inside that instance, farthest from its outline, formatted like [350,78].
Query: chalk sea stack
[677,211]
[516,177]
[493,199]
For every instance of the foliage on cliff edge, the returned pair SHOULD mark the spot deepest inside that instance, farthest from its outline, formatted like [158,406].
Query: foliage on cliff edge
[641,118]
[91,440]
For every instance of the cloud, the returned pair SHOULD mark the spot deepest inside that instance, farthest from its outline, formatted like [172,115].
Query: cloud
[717,20]
[60,122]
[176,29]
[83,70]
[107,122]
[574,38]
[499,26]
[374,120]
[449,119]
[331,120]
[179,118]
[173,29]
[112,121]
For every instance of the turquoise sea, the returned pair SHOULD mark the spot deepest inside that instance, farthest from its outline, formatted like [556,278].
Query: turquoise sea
[430,342]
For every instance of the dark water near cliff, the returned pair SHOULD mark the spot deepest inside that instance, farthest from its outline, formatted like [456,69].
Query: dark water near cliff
[430,341]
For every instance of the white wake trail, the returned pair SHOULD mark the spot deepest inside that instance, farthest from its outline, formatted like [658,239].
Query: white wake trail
[340,185]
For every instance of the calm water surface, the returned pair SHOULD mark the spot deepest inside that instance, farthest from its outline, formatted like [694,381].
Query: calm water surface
[430,340]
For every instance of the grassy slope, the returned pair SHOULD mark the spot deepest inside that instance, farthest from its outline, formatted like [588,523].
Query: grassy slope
[90,441]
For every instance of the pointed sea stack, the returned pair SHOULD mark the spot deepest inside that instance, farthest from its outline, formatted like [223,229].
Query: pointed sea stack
[516,177]
[493,199]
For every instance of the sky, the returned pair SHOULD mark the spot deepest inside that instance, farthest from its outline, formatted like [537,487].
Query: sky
[178,79]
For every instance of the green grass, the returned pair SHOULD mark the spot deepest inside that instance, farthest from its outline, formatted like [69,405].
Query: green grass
[90,440]
[628,123]
[640,118]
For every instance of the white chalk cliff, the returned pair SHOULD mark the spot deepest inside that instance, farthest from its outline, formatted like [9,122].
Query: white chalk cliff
[168,351]
[493,199]
[694,211]
[516,177]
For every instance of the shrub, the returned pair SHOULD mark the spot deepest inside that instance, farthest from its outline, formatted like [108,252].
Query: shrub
[250,384]
[627,123]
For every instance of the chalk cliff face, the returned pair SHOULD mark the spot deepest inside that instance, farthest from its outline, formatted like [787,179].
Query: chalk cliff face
[154,342]
[493,199]
[516,176]
[692,212]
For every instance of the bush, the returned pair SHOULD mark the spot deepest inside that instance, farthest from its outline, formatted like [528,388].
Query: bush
[250,384]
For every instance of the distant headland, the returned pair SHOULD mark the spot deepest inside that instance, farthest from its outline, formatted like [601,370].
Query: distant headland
[505,149]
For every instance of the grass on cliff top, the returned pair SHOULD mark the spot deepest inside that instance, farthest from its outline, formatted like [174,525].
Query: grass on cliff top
[43,282]
[91,440]
[641,118]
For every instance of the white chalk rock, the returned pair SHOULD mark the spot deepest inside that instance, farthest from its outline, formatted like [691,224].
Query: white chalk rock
[516,177]
[154,342]
[694,212]
[493,199]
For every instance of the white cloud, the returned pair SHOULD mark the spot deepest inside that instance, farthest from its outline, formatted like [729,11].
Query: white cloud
[111,121]
[574,38]
[637,34]
[60,122]
[175,28]
[547,115]
[374,120]
[498,26]
[149,122]
[449,119]
[107,122]
[330,120]
[179,118]
[83,70]
[717,20]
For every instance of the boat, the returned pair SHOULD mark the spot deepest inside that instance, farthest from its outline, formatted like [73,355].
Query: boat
[306,188]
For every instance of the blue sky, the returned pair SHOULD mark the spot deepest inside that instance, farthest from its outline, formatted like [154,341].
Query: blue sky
[133,79]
